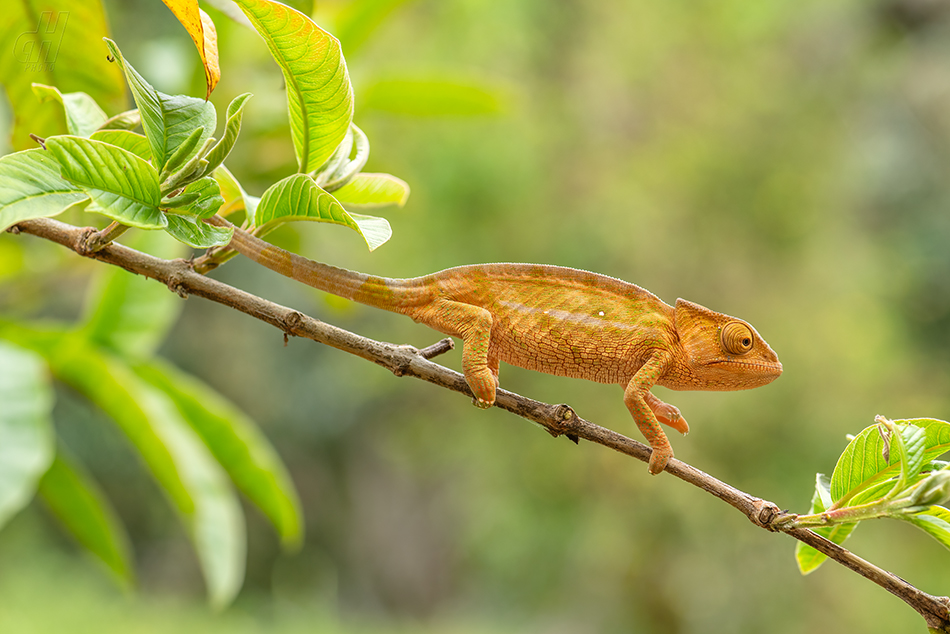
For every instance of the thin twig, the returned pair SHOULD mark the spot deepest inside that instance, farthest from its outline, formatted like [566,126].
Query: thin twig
[439,347]
[556,419]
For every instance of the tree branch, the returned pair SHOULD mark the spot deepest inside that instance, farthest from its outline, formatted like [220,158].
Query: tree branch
[408,361]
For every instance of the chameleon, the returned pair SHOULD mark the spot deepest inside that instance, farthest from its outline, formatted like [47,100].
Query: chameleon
[560,321]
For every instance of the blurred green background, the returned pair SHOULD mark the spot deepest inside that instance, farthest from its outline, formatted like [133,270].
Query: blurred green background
[783,162]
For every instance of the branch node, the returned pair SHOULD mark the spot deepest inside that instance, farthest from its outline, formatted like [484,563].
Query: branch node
[83,244]
[564,420]
[210,260]
[767,515]
[401,363]
[15,230]
[176,286]
[941,621]
[93,241]
[439,347]
[176,278]
[290,322]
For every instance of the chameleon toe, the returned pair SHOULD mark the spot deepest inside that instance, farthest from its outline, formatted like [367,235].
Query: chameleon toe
[481,403]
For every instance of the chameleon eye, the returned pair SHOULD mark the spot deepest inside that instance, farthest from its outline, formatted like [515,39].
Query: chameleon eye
[736,338]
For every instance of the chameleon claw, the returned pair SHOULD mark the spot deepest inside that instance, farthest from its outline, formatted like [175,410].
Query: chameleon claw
[680,424]
[482,403]
[672,418]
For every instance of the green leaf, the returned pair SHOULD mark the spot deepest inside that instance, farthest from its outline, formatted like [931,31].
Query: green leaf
[878,490]
[340,169]
[184,222]
[216,523]
[180,201]
[862,463]
[373,190]
[376,231]
[235,198]
[187,149]
[181,464]
[196,233]
[26,430]
[238,444]
[915,444]
[128,120]
[822,498]
[231,191]
[807,557]
[83,510]
[168,120]
[319,94]
[810,559]
[298,197]
[49,43]
[433,97]
[83,114]
[122,186]
[232,128]
[129,141]
[208,200]
[188,173]
[129,314]
[31,187]
[935,522]
[339,159]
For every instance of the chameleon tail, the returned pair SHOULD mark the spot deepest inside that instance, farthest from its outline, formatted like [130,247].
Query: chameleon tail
[387,293]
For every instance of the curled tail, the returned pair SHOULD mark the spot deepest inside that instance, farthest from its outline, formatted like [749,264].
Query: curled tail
[398,295]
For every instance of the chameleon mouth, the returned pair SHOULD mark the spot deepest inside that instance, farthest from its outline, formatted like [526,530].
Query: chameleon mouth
[774,368]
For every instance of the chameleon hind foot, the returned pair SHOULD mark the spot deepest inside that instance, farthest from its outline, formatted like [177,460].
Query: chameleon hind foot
[483,391]
[483,384]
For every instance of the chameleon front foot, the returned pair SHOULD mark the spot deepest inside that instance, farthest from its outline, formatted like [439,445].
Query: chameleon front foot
[667,414]
[482,403]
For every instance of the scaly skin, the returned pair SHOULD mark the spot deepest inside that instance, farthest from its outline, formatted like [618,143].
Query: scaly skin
[560,321]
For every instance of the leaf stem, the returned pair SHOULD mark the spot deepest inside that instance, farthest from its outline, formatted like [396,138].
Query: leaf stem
[846,515]
[98,240]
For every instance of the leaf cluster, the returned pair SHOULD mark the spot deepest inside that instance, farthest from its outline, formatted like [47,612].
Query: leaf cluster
[890,469]
[160,167]
[171,176]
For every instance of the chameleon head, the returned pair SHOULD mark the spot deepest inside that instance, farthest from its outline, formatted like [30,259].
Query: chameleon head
[722,352]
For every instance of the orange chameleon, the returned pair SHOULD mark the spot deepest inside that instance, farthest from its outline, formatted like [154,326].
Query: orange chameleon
[560,321]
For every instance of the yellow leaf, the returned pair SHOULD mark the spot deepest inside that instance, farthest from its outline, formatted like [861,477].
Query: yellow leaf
[202,31]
